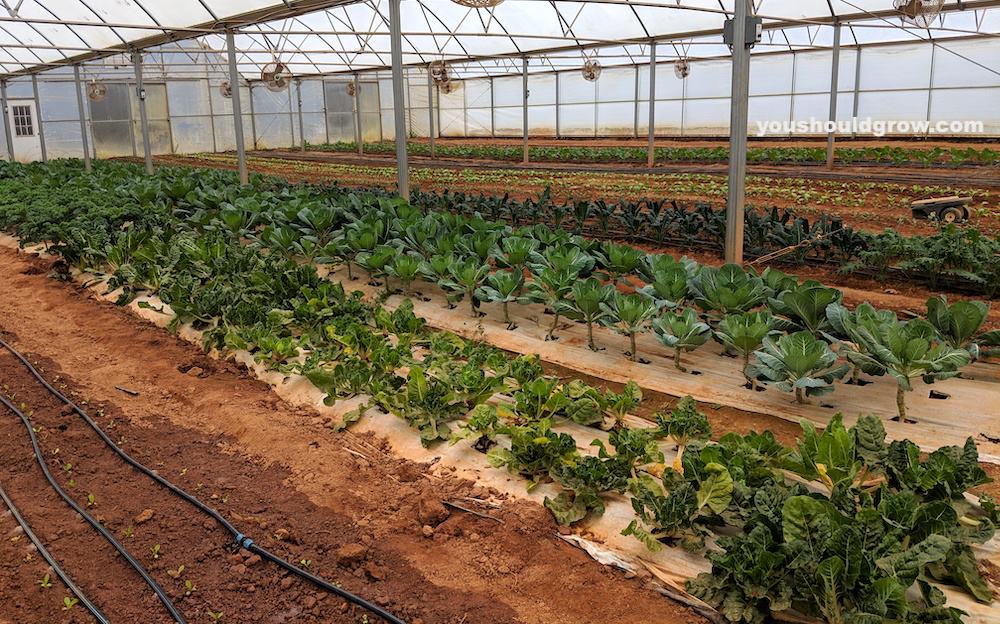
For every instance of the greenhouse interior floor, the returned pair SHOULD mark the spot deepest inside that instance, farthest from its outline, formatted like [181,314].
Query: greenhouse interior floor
[340,501]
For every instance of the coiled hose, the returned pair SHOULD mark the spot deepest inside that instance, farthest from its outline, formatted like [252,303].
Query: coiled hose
[239,538]
[51,560]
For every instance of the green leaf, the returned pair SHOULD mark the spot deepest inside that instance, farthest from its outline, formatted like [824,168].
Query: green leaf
[716,489]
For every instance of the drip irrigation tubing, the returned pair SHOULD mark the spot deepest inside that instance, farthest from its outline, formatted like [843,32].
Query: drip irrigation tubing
[239,539]
[76,591]
[162,595]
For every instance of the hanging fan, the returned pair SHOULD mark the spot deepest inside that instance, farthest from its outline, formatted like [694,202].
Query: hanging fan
[351,89]
[275,76]
[96,91]
[226,89]
[450,86]
[439,72]
[478,4]
[682,68]
[919,13]
[591,70]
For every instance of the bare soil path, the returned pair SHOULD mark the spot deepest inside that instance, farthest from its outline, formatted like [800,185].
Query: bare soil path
[299,488]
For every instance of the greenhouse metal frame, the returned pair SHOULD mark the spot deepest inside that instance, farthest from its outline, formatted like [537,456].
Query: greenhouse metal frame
[520,61]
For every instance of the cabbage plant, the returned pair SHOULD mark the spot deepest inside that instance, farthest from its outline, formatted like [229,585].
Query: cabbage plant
[682,332]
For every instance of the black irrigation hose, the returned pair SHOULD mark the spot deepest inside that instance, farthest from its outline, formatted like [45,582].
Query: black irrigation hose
[239,538]
[100,617]
[174,613]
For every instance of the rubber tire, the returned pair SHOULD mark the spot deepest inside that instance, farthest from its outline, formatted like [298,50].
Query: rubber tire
[952,215]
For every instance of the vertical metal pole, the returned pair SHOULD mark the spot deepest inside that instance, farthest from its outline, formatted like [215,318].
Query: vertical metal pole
[83,119]
[140,93]
[234,87]
[834,93]
[253,116]
[493,109]
[399,113]
[358,137]
[38,113]
[326,114]
[650,150]
[739,111]
[302,125]
[930,83]
[6,120]
[558,131]
[211,115]
[430,108]
[635,110]
[857,87]
[524,108]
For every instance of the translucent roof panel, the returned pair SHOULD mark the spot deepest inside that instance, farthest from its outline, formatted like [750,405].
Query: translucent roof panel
[313,37]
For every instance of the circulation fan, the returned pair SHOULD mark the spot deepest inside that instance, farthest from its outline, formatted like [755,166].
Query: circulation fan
[351,89]
[682,68]
[591,70]
[275,76]
[96,91]
[919,13]
[439,72]
[225,89]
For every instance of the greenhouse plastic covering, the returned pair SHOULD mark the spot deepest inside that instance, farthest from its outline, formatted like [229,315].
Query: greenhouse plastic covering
[950,71]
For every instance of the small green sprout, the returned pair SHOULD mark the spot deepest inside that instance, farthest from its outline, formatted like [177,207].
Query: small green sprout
[45,582]
[69,603]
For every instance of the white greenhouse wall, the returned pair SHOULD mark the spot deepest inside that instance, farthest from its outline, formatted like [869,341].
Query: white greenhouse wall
[913,81]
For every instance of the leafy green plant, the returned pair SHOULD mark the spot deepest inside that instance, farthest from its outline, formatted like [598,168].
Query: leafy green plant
[684,424]
[803,307]
[798,363]
[628,315]
[744,334]
[45,583]
[405,268]
[502,287]
[584,303]
[465,279]
[682,332]
[958,323]
[69,603]
[904,351]
[550,287]
[727,290]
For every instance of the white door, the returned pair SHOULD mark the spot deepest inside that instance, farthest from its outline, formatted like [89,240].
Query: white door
[23,120]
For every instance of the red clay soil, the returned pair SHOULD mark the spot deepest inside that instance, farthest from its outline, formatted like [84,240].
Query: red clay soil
[338,500]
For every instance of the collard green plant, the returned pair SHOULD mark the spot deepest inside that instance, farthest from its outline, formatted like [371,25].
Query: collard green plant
[684,424]
[798,363]
[958,323]
[628,315]
[502,287]
[584,303]
[682,332]
[904,351]
[550,287]
[743,334]
[727,290]
[803,307]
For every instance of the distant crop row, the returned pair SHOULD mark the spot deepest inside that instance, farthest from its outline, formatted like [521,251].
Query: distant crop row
[846,526]
[890,155]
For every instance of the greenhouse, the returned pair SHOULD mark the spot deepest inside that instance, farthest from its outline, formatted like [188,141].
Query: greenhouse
[496,311]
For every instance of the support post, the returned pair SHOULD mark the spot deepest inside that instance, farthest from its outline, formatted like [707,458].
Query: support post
[234,87]
[398,104]
[524,108]
[651,131]
[739,111]
[358,138]
[140,94]
[430,108]
[6,120]
[302,125]
[831,136]
[83,119]
[38,113]
[253,117]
